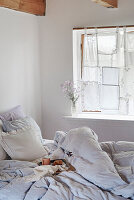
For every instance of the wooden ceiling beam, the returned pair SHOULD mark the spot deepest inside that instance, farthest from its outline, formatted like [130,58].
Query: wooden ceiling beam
[36,7]
[107,3]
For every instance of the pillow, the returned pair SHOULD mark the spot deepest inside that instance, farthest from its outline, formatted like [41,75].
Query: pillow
[13,114]
[24,143]
[9,126]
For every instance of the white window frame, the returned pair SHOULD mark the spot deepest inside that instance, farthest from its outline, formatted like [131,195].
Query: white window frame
[77,67]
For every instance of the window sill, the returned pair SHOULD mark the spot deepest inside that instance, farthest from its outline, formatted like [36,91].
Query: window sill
[101,117]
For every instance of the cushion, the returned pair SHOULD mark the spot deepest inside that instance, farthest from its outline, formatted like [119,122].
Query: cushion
[13,114]
[9,126]
[23,143]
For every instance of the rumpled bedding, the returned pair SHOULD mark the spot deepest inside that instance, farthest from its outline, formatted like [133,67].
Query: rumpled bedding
[104,171]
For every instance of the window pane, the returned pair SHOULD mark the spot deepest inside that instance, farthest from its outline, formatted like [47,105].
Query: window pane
[123,107]
[90,51]
[91,74]
[110,76]
[118,59]
[109,97]
[130,41]
[112,60]
[105,60]
[128,80]
[107,43]
[130,59]
[90,97]
[130,48]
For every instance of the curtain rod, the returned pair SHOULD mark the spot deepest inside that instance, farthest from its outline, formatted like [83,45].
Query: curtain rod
[102,27]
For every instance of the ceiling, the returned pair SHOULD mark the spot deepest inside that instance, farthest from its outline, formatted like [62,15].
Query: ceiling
[107,3]
[38,7]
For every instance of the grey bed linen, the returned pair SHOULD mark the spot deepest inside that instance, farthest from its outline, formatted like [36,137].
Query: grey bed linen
[103,172]
[65,186]
[122,155]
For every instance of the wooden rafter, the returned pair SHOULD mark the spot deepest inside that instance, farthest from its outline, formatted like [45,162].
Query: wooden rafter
[107,3]
[36,7]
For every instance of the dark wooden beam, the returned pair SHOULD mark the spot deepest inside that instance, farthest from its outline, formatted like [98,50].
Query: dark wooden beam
[107,3]
[36,7]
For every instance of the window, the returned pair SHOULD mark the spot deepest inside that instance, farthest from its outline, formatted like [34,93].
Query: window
[104,69]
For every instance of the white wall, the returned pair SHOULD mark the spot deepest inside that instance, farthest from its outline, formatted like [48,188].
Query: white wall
[19,62]
[57,61]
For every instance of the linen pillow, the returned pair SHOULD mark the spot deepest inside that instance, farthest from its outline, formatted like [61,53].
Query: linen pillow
[13,114]
[9,126]
[24,143]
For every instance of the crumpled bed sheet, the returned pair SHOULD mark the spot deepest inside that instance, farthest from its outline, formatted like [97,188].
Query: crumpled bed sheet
[65,186]
[103,172]
[41,171]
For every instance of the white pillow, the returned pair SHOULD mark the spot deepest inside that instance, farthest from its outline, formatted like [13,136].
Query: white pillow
[13,125]
[23,144]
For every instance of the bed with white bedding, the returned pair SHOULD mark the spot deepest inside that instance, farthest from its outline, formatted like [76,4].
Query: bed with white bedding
[103,171]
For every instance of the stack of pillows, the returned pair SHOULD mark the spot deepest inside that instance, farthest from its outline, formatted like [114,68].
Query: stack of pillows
[20,136]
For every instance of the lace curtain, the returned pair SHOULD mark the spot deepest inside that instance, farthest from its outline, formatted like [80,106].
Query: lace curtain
[107,71]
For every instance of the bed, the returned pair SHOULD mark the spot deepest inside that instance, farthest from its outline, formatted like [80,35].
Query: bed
[99,171]
[73,185]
